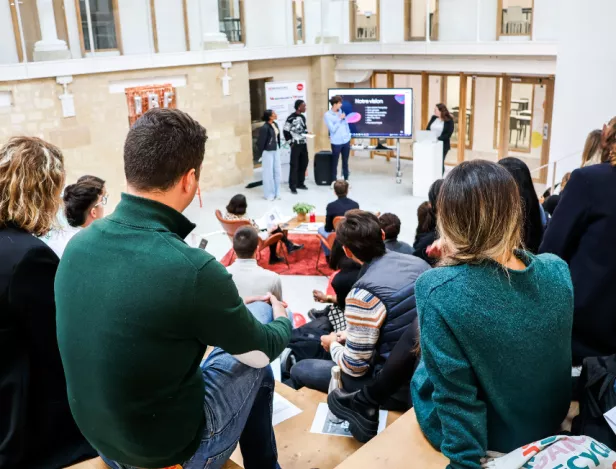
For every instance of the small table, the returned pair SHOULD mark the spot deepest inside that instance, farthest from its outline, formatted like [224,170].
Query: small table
[294,223]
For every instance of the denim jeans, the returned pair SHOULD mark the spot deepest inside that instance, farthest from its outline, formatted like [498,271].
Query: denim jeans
[237,408]
[316,374]
[264,314]
[325,234]
[344,150]
[271,174]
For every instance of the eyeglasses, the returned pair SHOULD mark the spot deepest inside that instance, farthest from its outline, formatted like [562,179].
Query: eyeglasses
[103,201]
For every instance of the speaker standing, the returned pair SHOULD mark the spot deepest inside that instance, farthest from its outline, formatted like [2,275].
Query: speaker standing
[340,137]
[295,131]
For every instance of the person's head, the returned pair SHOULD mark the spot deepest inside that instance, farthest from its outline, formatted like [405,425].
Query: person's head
[426,218]
[592,146]
[237,205]
[300,106]
[442,112]
[480,213]
[564,181]
[31,180]
[163,154]
[341,188]
[338,259]
[84,202]
[336,103]
[609,143]
[361,236]
[533,226]
[269,116]
[390,224]
[90,178]
[433,193]
[245,242]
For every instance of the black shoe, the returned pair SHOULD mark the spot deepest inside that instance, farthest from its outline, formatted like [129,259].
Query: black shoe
[362,416]
[294,247]
[275,260]
[315,313]
[294,191]
[304,188]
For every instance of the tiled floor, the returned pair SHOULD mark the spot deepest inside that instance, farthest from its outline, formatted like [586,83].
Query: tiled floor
[373,186]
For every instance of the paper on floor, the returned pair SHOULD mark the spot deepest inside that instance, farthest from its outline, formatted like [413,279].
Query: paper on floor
[283,410]
[322,425]
[610,416]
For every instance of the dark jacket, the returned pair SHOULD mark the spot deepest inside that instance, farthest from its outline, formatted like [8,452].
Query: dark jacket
[446,135]
[582,232]
[338,208]
[268,139]
[422,242]
[37,429]
[391,278]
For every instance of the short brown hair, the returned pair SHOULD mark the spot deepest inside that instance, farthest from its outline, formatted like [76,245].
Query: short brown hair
[360,232]
[31,180]
[479,213]
[390,224]
[335,100]
[609,143]
[341,188]
[162,146]
[245,242]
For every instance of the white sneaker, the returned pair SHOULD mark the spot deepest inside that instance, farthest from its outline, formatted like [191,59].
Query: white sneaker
[269,199]
[279,197]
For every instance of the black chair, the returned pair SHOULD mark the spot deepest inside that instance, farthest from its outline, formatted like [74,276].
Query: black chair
[514,124]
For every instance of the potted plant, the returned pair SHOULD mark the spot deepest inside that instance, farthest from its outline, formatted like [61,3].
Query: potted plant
[302,210]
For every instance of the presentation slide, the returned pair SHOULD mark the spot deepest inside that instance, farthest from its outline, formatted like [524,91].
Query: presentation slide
[377,112]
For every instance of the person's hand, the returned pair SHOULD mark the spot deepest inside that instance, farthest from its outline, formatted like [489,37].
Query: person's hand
[437,249]
[279,308]
[319,296]
[342,115]
[265,299]
[341,337]
[326,340]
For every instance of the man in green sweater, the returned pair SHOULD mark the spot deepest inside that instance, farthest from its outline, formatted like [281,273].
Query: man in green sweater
[136,309]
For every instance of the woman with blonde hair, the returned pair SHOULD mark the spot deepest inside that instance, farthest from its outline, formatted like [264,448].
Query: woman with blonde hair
[592,149]
[495,323]
[39,431]
[582,233]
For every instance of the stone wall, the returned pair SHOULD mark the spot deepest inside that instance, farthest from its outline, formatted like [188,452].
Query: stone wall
[92,141]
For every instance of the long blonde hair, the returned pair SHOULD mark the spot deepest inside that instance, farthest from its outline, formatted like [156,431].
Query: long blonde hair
[31,179]
[479,213]
[592,147]
[609,143]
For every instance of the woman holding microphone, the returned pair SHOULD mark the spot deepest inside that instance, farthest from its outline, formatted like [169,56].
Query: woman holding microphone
[269,144]
[442,125]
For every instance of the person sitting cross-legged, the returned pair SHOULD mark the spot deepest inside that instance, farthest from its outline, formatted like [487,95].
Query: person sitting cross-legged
[379,308]
[137,308]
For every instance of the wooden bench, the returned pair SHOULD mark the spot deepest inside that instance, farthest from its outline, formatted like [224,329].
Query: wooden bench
[400,446]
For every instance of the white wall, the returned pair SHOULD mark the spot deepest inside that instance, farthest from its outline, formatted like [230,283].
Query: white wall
[487,20]
[392,25]
[136,26]
[485,101]
[585,97]
[170,25]
[8,50]
[268,22]
[457,20]
[312,18]
[546,18]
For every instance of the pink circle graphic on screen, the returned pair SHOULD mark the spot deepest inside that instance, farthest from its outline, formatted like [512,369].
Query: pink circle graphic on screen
[400,98]
[353,118]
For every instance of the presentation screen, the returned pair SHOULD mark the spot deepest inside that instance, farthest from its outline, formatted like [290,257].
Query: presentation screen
[377,112]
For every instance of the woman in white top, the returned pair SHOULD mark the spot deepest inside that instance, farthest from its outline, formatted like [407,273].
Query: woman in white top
[84,202]
[442,125]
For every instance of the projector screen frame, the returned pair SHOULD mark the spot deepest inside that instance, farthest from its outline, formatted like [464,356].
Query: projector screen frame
[346,92]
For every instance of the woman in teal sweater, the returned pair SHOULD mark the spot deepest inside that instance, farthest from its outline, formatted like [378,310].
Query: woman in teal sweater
[495,322]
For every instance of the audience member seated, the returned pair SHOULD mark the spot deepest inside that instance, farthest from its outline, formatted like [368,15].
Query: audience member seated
[593,150]
[37,429]
[236,210]
[338,207]
[390,224]
[533,225]
[347,272]
[425,239]
[148,305]
[582,233]
[379,308]
[495,321]
[552,201]
[84,202]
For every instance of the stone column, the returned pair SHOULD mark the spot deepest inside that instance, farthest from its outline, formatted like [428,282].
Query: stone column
[212,37]
[49,47]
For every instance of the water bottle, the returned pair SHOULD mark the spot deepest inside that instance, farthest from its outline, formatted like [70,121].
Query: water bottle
[334,383]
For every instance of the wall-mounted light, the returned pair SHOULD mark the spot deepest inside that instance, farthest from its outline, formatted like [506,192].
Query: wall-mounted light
[226,89]
[67,99]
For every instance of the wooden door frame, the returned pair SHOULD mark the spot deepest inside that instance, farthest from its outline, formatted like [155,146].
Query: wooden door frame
[408,16]
[352,22]
[303,11]
[472,103]
[155,31]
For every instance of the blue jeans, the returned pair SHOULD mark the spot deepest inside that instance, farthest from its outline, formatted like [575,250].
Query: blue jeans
[325,234]
[316,374]
[271,174]
[337,150]
[237,408]
[263,312]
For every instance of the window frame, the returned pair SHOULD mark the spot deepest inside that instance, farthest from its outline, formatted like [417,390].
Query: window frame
[242,16]
[295,16]
[155,31]
[353,21]
[118,30]
[500,22]
[408,14]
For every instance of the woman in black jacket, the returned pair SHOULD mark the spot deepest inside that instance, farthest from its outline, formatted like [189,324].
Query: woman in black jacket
[442,124]
[426,236]
[37,429]
[582,233]
[268,144]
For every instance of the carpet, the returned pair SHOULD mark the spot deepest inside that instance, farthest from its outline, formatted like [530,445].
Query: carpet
[300,262]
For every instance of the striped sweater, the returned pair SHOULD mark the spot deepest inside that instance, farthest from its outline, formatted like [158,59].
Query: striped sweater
[365,314]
